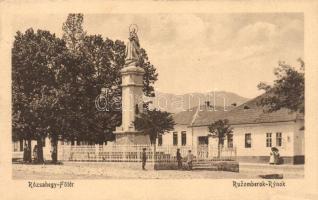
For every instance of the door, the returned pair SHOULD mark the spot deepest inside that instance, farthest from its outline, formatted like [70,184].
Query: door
[202,148]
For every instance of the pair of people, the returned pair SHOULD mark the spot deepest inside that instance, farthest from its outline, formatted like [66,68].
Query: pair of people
[28,155]
[189,159]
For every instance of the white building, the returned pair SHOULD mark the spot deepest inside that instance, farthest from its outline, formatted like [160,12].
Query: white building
[254,131]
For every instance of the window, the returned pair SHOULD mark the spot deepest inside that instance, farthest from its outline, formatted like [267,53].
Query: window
[230,141]
[268,139]
[278,139]
[160,140]
[183,138]
[203,140]
[248,140]
[175,138]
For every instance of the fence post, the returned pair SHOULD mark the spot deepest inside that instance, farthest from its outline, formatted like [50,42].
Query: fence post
[154,153]
[97,152]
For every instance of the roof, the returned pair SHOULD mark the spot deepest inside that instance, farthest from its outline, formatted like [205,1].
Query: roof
[252,113]
[184,117]
[207,116]
[192,115]
[247,113]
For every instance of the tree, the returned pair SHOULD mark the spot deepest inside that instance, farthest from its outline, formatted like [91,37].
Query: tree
[35,56]
[56,82]
[153,123]
[287,90]
[97,64]
[150,76]
[220,129]
[73,31]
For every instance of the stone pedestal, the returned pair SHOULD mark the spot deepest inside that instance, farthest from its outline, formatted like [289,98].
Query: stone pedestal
[131,138]
[132,104]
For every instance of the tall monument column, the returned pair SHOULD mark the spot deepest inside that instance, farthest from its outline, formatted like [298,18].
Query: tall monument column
[132,86]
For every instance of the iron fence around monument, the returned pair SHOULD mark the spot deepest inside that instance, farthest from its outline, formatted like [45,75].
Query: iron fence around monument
[133,153]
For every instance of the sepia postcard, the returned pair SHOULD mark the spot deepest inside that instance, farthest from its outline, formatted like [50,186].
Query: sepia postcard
[159,99]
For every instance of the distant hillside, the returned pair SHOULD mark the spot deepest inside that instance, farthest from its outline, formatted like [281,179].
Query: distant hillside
[177,103]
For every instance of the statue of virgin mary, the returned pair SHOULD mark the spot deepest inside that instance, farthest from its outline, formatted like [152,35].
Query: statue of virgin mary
[133,46]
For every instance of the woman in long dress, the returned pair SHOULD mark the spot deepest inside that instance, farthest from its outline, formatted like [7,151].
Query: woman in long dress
[35,153]
[272,158]
[276,157]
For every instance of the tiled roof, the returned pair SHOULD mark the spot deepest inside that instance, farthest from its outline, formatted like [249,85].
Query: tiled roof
[207,116]
[251,113]
[184,117]
[247,113]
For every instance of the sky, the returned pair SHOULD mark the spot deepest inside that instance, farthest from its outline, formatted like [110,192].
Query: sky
[200,52]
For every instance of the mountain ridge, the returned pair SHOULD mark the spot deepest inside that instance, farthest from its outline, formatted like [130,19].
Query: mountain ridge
[175,103]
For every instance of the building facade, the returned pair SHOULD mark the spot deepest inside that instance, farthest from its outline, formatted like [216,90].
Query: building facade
[255,132]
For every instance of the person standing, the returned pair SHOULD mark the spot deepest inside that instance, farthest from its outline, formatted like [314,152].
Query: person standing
[179,159]
[190,159]
[272,158]
[25,153]
[54,154]
[35,153]
[144,158]
[29,154]
[276,157]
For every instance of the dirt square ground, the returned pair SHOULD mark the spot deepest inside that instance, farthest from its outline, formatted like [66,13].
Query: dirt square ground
[81,170]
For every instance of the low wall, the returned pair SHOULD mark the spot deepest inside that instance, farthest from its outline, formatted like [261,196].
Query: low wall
[168,166]
[231,166]
[265,159]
